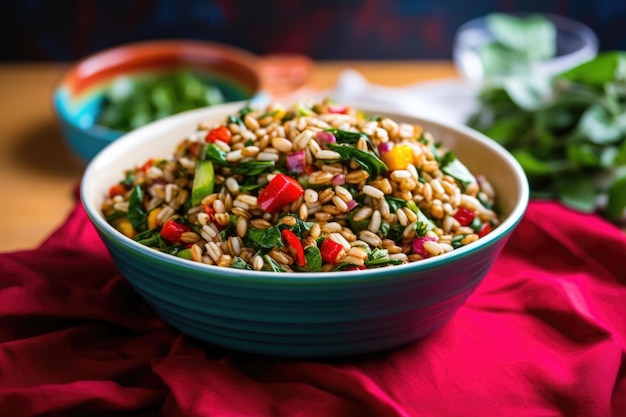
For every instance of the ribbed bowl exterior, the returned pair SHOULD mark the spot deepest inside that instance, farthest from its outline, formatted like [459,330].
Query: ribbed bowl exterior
[312,317]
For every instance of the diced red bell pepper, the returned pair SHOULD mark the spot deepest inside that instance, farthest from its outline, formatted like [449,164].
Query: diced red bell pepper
[329,250]
[172,231]
[484,229]
[280,191]
[147,165]
[464,216]
[117,189]
[294,245]
[309,169]
[219,133]
[210,211]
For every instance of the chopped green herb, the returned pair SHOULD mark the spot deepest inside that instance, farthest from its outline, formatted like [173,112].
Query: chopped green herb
[239,263]
[458,171]
[395,203]
[264,239]
[369,162]
[272,264]
[215,154]
[252,168]
[352,138]
[393,232]
[136,212]
[300,227]
[313,258]
[423,224]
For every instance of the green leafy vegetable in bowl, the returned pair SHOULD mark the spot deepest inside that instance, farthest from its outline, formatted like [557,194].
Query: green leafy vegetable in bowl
[131,102]
[568,132]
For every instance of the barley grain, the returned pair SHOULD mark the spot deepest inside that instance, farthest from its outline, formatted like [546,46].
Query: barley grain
[332,209]
[400,174]
[337,237]
[340,204]
[325,195]
[242,227]
[357,176]
[370,238]
[196,253]
[399,257]
[322,216]
[219,207]
[238,211]
[310,196]
[280,257]
[320,178]
[375,222]
[373,192]
[250,151]
[303,212]
[257,263]
[282,144]
[402,218]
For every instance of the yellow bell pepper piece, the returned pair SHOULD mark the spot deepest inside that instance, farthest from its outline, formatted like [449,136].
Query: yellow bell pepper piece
[399,157]
[152,218]
[124,226]
[278,114]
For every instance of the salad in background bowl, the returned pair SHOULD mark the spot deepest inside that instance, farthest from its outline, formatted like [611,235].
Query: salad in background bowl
[119,89]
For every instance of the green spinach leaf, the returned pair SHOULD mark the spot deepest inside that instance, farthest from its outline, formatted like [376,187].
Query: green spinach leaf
[265,239]
[313,258]
[136,213]
[369,162]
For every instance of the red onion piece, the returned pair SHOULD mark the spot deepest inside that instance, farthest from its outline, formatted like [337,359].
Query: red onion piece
[338,179]
[418,245]
[296,162]
[385,147]
[323,137]
[351,204]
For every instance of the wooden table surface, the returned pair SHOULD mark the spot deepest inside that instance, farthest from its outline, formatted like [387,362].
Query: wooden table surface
[39,173]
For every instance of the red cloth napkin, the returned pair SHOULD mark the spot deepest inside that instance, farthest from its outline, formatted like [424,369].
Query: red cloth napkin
[542,336]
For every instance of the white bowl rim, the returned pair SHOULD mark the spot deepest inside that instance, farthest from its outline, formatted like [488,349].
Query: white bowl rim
[233,274]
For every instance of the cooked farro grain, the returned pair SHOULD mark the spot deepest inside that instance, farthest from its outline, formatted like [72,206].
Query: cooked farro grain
[286,180]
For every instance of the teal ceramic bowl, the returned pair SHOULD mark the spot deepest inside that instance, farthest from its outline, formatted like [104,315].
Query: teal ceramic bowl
[304,315]
[78,98]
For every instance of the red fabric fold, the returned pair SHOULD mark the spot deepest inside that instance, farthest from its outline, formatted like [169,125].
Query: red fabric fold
[543,335]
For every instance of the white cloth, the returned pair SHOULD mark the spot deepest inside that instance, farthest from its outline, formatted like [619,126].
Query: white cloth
[451,100]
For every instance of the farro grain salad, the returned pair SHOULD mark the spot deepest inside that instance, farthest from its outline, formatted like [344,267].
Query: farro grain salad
[314,187]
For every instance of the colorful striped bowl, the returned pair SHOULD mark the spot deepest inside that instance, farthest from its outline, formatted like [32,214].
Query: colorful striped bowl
[77,99]
[305,315]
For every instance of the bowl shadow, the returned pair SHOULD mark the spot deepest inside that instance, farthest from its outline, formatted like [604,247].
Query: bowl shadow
[43,149]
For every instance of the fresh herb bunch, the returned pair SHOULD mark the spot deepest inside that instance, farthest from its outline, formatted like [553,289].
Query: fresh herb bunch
[568,132]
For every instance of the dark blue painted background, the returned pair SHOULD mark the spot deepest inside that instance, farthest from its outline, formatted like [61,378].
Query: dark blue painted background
[322,29]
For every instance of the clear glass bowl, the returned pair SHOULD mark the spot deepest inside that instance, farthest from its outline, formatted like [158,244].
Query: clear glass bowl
[575,44]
